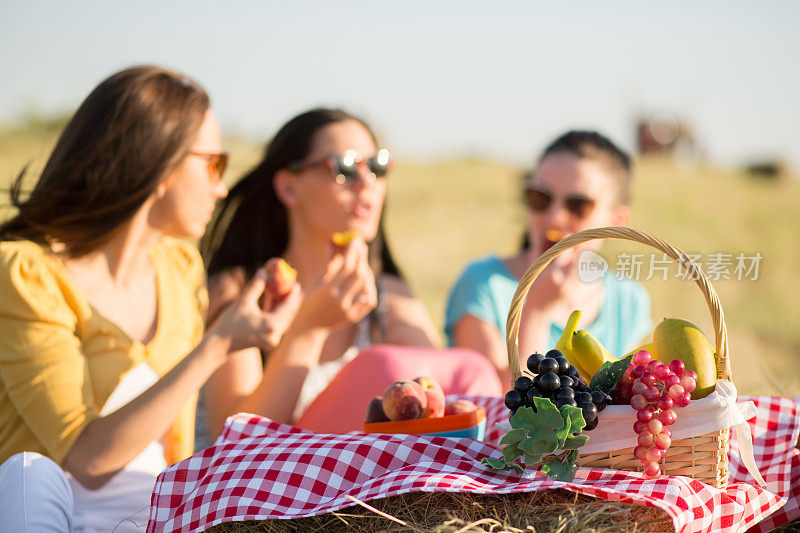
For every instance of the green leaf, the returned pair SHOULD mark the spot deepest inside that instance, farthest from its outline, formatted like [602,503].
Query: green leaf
[510,453]
[547,415]
[523,418]
[560,469]
[609,374]
[531,460]
[543,426]
[543,442]
[497,464]
[515,436]
[515,467]
[573,443]
[573,423]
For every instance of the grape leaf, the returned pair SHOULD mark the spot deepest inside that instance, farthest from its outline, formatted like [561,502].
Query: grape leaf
[497,464]
[547,415]
[515,436]
[544,442]
[561,468]
[510,453]
[532,459]
[573,423]
[573,443]
[515,467]
[523,418]
[609,374]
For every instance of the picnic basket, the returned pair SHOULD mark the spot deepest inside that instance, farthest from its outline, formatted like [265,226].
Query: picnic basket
[702,457]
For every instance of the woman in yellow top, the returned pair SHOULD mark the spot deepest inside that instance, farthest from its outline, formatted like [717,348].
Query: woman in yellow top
[102,349]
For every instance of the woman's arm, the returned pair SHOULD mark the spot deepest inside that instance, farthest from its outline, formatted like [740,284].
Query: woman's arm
[407,320]
[483,337]
[110,442]
[345,294]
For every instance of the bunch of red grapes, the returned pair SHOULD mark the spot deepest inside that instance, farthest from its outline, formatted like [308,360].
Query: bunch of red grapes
[653,389]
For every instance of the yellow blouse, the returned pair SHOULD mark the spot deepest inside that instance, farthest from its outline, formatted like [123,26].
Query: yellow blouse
[60,359]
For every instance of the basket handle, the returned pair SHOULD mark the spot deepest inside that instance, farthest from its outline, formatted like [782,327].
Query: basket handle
[512,324]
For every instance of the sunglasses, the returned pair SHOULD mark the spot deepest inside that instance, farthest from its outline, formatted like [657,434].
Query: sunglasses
[578,205]
[217,163]
[345,168]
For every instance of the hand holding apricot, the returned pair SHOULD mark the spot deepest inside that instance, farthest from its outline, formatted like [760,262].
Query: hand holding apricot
[341,238]
[280,277]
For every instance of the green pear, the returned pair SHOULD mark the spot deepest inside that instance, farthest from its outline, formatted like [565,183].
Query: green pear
[674,338]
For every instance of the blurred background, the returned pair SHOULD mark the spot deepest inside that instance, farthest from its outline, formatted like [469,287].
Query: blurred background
[466,95]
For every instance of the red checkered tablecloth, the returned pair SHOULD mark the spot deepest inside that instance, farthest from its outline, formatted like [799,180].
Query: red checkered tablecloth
[259,469]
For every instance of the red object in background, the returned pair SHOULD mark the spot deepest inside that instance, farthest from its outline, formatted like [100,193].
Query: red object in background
[342,406]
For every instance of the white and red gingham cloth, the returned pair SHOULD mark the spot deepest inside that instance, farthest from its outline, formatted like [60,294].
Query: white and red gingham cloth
[259,469]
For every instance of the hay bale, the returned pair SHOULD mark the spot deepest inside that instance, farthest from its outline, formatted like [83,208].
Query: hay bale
[554,510]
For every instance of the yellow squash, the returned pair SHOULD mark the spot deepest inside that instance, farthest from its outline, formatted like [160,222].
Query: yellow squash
[590,352]
[564,344]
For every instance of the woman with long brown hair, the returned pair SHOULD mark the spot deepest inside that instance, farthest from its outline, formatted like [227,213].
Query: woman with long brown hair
[323,173]
[102,344]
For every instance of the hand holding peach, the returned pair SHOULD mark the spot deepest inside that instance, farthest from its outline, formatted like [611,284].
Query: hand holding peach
[280,277]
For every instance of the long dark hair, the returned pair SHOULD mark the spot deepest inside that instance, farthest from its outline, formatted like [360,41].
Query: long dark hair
[251,224]
[127,135]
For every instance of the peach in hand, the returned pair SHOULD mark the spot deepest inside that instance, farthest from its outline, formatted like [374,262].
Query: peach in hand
[341,238]
[434,395]
[459,407]
[280,277]
[404,400]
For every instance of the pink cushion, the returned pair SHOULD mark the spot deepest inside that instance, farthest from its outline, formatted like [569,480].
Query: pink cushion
[342,406]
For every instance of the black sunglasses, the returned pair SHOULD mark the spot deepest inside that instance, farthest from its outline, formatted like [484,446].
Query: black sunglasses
[578,205]
[344,168]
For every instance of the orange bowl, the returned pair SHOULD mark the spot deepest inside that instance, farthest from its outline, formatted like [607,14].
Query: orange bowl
[471,425]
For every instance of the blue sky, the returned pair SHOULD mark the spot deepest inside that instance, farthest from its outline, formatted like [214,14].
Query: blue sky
[436,79]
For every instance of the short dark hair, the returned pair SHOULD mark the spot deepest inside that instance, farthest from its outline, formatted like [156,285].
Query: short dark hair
[598,147]
[125,137]
[251,224]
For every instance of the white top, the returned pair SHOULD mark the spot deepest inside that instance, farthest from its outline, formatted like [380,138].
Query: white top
[321,375]
[123,504]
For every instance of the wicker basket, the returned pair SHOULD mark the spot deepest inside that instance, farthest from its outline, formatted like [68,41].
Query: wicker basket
[703,457]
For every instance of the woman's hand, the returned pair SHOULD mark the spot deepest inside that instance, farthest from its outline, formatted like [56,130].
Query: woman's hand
[256,318]
[345,293]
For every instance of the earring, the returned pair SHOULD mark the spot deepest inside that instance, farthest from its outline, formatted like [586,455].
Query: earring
[160,193]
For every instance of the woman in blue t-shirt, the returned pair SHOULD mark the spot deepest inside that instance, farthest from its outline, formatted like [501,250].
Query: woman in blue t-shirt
[581,182]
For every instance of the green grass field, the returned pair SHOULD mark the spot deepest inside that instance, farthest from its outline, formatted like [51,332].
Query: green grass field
[441,214]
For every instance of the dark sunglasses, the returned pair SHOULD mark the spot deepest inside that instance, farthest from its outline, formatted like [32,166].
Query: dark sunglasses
[217,163]
[578,205]
[344,168]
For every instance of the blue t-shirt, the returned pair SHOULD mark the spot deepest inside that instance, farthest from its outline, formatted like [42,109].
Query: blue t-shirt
[486,287]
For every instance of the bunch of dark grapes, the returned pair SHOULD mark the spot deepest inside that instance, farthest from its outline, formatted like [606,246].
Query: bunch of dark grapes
[557,380]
